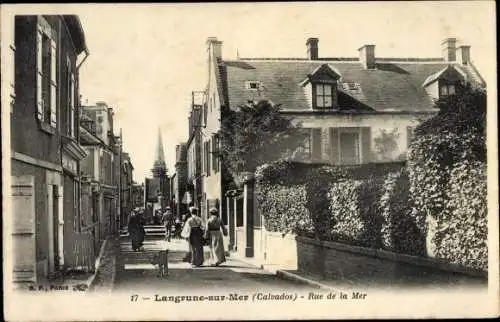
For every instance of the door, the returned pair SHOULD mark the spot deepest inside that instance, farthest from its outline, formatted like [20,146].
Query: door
[60,226]
[55,222]
[23,232]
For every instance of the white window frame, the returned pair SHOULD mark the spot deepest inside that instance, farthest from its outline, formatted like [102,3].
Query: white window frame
[323,95]
[447,89]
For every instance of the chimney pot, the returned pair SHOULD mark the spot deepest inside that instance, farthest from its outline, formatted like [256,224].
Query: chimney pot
[449,49]
[367,56]
[312,48]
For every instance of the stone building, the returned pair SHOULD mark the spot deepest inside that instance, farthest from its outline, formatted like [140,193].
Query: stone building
[48,235]
[354,110]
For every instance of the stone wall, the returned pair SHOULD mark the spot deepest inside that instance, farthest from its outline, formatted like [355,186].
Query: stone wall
[369,267]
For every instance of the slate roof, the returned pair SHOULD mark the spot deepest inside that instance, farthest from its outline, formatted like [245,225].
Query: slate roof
[391,86]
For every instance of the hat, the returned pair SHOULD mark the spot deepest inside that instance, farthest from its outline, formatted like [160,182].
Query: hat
[193,210]
[168,207]
[213,211]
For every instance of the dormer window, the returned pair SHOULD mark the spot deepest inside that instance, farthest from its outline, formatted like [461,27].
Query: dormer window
[253,85]
[324,95]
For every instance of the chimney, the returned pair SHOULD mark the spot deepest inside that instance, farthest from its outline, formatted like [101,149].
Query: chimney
[214,47]
[449,49]
[463,54]
[367,56]
[312,48]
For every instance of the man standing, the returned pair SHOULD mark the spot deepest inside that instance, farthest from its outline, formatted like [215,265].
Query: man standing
[168,221]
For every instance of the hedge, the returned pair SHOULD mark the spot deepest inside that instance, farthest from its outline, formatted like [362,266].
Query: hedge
[400,231]
[461,235]
[355,216]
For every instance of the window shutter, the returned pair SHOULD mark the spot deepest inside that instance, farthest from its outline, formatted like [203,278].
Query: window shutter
[53,86]
[316,144]
[409,136]
[326,145]
[366,144]
[72,104]
[39,74]
[334,145]
[23,232]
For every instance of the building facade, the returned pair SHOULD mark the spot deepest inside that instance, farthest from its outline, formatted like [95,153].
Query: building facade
[48,234]
[126,183]
[102,165]
[179,180]
[353,110]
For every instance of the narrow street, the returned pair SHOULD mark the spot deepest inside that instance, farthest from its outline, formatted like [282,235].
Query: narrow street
[135,272]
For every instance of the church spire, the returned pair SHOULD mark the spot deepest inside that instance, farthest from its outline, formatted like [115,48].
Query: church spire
[159,167]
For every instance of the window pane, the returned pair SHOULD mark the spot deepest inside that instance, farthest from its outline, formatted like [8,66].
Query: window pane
[327,89]
[451,89]
[319,89]
[443,90]
[328,101]
[319,101]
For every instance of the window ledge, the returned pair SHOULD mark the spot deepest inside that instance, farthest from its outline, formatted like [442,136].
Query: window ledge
[45,127]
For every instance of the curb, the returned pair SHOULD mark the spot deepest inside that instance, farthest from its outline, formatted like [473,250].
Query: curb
[301,279]
[90,280]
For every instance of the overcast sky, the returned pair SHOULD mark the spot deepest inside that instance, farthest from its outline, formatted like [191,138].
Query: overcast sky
[146,59]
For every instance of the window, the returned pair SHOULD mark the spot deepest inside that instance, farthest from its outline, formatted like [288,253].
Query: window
[46,74]
[446,89]
[252,85]
[76,206]
[70,79]
[207,157]
[215,150]
[349,147]
[205,112]
[324,95]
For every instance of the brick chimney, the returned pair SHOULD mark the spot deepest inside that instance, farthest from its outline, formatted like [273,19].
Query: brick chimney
[312,48]
[367,56]
[214,47]
[448,47]
[463,54]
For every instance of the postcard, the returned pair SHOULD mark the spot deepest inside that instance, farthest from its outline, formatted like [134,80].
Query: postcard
[242,161]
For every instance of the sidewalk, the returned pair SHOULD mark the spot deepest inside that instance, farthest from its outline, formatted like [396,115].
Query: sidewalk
[105,272]
[294,276]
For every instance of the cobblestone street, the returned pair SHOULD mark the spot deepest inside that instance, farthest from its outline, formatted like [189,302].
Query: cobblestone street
[135,272]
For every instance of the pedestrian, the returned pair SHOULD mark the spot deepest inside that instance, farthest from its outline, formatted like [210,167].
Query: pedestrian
[187,257]
[135,229]
[193,231]
[168,221]
[215,229]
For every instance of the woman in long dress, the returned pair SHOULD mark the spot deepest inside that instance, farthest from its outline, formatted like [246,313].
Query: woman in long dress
[215,229]
[134,229]
[193,230]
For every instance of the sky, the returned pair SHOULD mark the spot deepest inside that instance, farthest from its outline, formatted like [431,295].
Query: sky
[145,59]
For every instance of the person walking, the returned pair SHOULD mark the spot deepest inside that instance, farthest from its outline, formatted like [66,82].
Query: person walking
[193,231]
[168,221]
[187,257]
[136,230]
[215,229]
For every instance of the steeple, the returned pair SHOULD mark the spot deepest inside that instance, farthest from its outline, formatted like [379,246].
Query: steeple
[159,166]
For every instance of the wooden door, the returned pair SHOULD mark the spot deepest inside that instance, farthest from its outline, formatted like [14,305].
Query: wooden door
[23,232]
